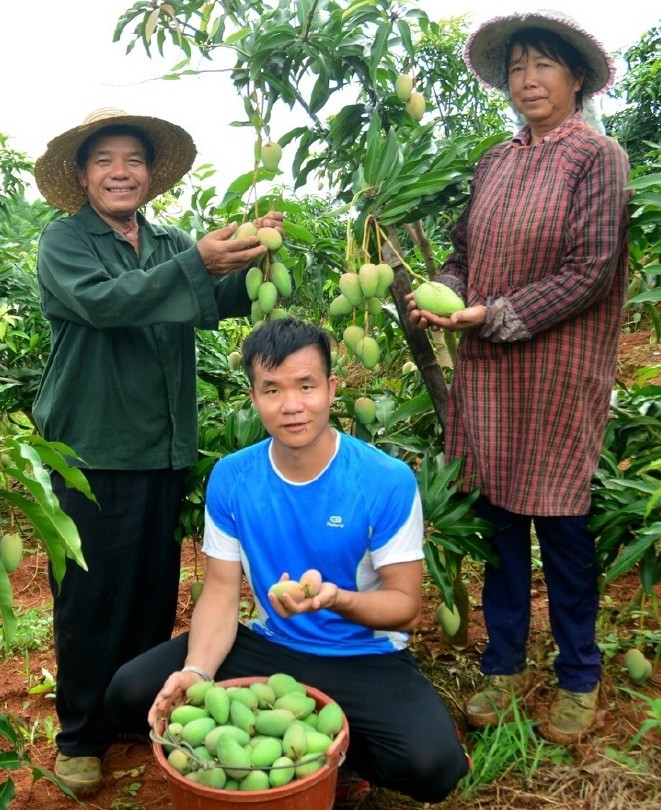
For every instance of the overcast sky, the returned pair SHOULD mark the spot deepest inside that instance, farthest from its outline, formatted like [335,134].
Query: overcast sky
[58,63]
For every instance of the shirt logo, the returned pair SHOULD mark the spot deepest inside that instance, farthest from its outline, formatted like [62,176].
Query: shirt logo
[335,522]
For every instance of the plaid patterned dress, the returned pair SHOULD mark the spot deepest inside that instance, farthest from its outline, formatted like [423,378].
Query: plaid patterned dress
[543,243]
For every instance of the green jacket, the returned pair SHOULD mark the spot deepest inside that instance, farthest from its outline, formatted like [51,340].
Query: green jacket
[120,384]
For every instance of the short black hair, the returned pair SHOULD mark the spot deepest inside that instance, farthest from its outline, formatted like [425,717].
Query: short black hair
[83,153]
[552,46]
[272,342]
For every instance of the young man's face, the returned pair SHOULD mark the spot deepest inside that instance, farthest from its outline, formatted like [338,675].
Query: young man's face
[293,400]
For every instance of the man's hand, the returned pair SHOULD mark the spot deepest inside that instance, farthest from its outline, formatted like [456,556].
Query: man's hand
[222,255]
[172,694]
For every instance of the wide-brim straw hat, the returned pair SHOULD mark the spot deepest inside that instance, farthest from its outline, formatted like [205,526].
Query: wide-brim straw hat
[486,48]
[55,171]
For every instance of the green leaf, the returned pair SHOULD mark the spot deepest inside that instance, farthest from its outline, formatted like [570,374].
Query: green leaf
[9,622]
[634,551]
[7,794]
[437,570]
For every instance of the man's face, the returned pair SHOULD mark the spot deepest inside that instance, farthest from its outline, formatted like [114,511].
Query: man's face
[294,399]
[116,176]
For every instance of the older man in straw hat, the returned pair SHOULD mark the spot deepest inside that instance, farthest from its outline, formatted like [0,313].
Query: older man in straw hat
[540,257]
[123,297]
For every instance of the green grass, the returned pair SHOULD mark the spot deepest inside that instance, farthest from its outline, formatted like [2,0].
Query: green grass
[508,749]
[34,631]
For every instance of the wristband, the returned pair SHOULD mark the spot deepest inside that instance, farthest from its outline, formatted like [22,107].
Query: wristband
[198,671]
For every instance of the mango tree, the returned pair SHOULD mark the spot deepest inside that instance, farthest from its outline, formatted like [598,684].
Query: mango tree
[398,156]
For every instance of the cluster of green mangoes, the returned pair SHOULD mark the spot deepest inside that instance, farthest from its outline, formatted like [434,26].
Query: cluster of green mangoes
[269,281]
[254,737]
[11,551]
[362,290]
[414,101]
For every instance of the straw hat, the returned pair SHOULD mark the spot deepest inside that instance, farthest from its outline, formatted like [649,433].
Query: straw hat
[55,170]
[486,48]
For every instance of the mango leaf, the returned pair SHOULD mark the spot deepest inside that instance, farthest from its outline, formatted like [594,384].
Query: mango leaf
[379,47]
[7,794]
[437,571]
[634,551]
[7,614]
[7,730]
[55,529]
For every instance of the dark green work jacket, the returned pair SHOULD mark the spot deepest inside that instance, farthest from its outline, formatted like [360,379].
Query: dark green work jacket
[120,383]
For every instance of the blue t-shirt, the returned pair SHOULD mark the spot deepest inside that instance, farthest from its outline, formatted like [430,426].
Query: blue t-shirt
[361,512]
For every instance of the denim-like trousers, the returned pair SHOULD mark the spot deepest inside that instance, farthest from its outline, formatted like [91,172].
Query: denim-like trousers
[568,557]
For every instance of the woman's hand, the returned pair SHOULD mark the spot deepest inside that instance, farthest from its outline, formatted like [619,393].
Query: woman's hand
[469,318]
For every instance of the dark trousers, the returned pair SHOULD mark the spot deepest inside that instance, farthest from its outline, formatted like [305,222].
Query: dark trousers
[568,559]
[123,604]
[402,736]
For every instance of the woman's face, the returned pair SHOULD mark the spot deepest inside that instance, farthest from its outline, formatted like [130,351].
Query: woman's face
[542,89]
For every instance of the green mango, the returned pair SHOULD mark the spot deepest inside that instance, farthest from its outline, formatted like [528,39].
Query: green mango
[196,692]
[254,278]
[11,551]
[212,777]
[340,305]
[282,772]
[232,757]
[295,741]
[350,288]
[196,730]
[449,619]
[281,683]
[299,705]
[217,703]
[352,335]
[270,237]
[242,717]
[308,765]
[265,753]
[273,722]
[185,713]
[267,295]
[368,351]
[238,734]
[265,694]
[330,719]
[368,275]
[280,276]
[365,410]
[318,742]
[255,780]
[244,695]
[638,667]
[386,278]
[437,298]
[180,761]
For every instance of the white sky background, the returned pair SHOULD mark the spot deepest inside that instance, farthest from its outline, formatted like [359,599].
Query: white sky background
[58,63]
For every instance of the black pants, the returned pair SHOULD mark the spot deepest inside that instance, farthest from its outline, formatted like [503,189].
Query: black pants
[123,604]
[402,736]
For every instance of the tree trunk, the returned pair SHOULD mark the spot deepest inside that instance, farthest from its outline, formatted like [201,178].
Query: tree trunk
[419,344]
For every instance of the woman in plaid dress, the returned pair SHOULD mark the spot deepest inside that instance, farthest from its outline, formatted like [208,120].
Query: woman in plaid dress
[540,258]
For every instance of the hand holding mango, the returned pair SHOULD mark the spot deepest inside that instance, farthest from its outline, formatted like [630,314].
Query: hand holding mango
[307,587]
